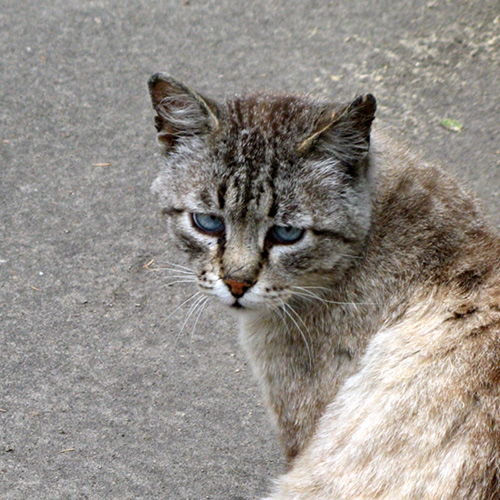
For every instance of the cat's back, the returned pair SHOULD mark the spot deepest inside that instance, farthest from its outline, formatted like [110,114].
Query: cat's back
[448,256]
[432,369]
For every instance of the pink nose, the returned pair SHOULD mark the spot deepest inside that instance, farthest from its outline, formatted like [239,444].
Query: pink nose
[238,288]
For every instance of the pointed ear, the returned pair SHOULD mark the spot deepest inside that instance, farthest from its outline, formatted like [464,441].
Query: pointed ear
[344,131]
[181,112]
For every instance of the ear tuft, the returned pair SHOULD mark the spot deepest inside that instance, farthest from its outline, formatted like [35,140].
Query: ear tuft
[343,131]
[181,112]
[361,113]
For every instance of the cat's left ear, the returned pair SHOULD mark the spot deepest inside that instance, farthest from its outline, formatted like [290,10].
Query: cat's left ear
[181,112]
[344,131]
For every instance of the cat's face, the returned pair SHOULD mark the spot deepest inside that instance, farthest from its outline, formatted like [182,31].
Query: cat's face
[268,195]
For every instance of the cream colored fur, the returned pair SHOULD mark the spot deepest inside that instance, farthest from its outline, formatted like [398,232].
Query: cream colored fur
[409,424]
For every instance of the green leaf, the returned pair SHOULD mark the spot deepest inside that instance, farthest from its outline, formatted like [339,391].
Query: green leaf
[453,125]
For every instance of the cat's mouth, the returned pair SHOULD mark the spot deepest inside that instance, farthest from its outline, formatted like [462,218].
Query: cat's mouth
[237,305]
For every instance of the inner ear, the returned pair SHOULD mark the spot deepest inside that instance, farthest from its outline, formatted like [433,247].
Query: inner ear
[181,112]
[343,131]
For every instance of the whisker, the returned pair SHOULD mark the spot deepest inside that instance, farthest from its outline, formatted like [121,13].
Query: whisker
[181,276]
[279,312]
[297,315]
[200,305]
[173,269]
[185,302]
[307,296]
[308,292]
[179,266]
[202,308]
[191,310]
[304,338]
[313,288]
[176,282]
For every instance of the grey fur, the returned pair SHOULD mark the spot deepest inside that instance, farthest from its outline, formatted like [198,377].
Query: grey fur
[376,336]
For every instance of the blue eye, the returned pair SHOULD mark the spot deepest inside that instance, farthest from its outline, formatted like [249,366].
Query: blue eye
[209,224]
[286,234]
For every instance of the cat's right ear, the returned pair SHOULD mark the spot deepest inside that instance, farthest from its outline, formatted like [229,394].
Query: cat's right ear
[180,112]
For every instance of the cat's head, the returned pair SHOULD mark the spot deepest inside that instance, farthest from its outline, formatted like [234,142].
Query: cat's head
[269,194]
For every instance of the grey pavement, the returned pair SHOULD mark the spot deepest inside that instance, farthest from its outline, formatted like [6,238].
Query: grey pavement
[102,396]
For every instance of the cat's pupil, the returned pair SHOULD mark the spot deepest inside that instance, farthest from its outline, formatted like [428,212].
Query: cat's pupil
[207,223]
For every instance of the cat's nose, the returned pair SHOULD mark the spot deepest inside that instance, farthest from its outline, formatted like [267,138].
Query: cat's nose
[237,288]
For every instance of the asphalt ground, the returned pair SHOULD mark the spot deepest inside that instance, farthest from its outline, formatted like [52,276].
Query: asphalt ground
[102,396]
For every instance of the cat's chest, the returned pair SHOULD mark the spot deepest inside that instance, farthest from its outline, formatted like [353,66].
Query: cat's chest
[302,359]
[299,373]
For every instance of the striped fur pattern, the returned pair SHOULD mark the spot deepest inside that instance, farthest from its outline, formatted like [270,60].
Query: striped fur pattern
[375,336]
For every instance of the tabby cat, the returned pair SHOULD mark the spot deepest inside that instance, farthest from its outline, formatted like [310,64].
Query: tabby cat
[365,282]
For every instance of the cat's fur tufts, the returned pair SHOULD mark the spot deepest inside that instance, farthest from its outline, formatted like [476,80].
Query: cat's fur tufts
[366,283]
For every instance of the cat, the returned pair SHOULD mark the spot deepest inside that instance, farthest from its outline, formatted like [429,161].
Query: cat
[365,282]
